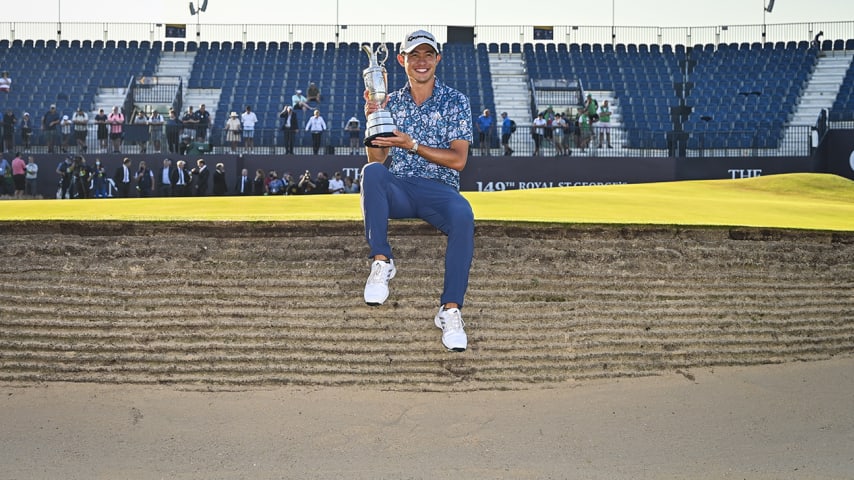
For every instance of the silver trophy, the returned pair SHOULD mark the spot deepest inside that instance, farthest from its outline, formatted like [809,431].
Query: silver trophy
[379,123]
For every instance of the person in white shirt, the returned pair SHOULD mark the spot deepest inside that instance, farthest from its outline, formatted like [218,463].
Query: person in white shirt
[5,83]
[31,177]
[81,128]
[336,183]
[65,126]
[155,130]
[249,119]
[316,125]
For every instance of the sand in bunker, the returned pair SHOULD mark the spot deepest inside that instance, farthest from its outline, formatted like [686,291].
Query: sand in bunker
[793,420]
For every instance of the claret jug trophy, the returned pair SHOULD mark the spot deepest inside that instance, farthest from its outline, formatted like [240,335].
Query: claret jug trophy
[379,123]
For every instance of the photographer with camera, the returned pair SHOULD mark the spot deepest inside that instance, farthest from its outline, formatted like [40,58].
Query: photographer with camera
[306,186]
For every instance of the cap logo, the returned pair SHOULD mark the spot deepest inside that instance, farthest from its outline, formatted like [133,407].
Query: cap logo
[414,37]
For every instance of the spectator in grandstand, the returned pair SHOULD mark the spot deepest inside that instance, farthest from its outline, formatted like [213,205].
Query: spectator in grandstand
[116,120]
[165,178]
[198,148]
[817,40]
[65,173]
[350,185]
[19,173]
[122,179]
[180,179]
[249,119]
[144,180]
[99,182]
[336,183]
[65,129]
[549,115]
[299,102]
[290,126]
[506,131]
[50,122]
[26,131]
[81,129]
[232,130]
[258,186]
[32,177]
[353,129]
[585,129]
[189,122]
[155,130]
[485,125]
[316,125]
[558,130]
[603,126]
[5,83]
[203,121]
[244,183]
[570,138]
[313,93]
[538,127]
[102,133]
[220,186]
[9,121]
[173,132]
[591,108]
[201,178]
[140,119]
[591,112]
[422,180]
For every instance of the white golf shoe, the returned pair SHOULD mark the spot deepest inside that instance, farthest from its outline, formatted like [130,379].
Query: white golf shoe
[451,322]
[376,288]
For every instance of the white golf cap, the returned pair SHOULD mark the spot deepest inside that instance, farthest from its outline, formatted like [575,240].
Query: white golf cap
[417,38]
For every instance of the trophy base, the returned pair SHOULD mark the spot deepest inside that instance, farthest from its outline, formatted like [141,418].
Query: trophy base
[379,124]
[369,141]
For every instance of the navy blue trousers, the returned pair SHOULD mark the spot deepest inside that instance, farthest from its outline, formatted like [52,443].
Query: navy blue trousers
[386,196]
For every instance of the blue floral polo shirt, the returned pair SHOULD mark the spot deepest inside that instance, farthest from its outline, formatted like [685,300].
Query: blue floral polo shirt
[444,117]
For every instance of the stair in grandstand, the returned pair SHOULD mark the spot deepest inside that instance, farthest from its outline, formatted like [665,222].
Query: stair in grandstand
[512,91]
[820,92]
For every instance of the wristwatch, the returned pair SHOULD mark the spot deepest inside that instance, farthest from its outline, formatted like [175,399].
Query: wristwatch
[414,148]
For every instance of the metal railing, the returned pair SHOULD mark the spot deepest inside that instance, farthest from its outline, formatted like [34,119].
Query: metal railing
[795,142]
[562,34]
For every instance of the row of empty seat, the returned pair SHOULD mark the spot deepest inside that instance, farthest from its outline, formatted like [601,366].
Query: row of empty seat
[731,82]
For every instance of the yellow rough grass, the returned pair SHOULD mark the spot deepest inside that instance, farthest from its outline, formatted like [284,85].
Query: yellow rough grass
[800,201]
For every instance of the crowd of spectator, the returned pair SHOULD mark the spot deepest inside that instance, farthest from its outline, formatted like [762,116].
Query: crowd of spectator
[188,133]
[79,179]
[584,127]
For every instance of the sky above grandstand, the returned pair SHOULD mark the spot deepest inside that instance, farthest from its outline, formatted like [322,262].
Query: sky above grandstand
[665,13]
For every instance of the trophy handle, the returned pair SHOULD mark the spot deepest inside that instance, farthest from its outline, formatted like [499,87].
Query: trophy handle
[373,56]
[384,49]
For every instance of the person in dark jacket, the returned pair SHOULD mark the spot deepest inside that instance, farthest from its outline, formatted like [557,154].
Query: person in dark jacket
[219,185]
[201,177]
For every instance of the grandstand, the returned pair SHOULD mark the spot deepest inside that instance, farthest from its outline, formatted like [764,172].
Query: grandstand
[744,98]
